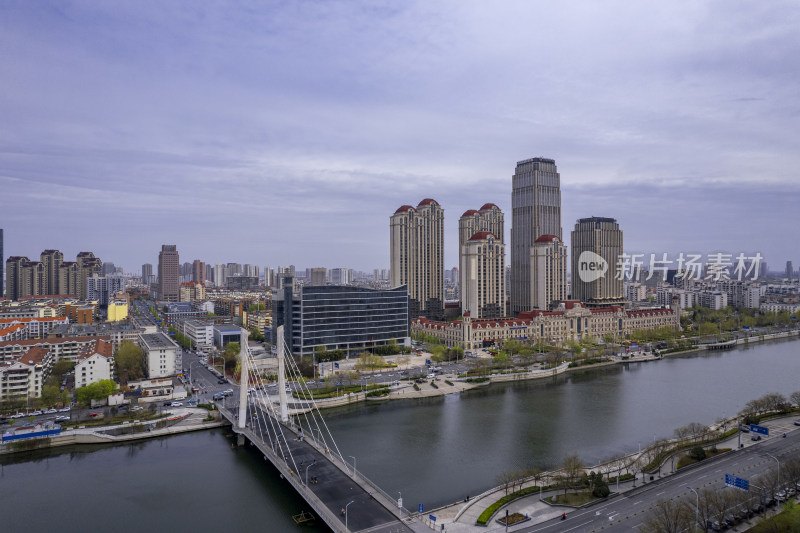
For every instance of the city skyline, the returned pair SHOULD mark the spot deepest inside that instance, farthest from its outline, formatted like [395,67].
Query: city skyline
[143,125]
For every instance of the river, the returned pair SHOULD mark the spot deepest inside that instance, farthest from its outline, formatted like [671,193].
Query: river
[433,450]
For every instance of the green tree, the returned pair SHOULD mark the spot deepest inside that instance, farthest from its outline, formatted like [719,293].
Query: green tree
[99,390]
[572,472]
[231,354]
[50,395]
[513,346]
[130,361]
[61,368]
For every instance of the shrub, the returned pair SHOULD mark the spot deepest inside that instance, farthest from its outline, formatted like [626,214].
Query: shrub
[697,453]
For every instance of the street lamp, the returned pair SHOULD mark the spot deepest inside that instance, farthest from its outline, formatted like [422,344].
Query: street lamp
[779,465]
[354,465]
[400,503]
[697,505]
[345,513]
[309,466]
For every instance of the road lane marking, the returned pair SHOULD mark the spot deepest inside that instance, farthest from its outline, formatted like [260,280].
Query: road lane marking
[637,503]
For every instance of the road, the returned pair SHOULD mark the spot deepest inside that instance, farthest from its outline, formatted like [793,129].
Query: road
[628,511]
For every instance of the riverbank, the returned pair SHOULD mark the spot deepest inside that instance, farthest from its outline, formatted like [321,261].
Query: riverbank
[183,420]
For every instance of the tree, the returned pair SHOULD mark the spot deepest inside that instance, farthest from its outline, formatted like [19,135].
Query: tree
[50,395]
[231,354]
[130,361]
[513,346]
[61,368]
[598,485]
[572,470]
[795,397]
[668,516]
[99,390]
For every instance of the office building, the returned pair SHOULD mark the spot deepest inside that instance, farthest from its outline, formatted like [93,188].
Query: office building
[535,211]
[341,276]
[417,256]
[108,269]
[198,271]
[483,276]
[596,246]
[337,317]
[488,219]
[168,273]
[789,270]
[548,264]
[269,276]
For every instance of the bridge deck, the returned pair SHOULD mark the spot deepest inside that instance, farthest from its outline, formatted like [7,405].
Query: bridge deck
[334,488]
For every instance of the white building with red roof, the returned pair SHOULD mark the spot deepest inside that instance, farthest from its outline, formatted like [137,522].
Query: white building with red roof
[95,363]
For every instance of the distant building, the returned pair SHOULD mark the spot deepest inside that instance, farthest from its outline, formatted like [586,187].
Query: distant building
[220,275]
[147,274]
[102,288]
[198,271]
[318,276]
[199,332]
[488,219]
[341,276]
[160,355]
[340,318]
[417,256]
[636,292]
[225,334]
[242,283]
[2,265]
[597,243]
[191,291]
[789,270]
[117,310]
[168,273]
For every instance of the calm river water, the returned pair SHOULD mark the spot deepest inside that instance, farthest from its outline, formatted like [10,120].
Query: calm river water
[434,451]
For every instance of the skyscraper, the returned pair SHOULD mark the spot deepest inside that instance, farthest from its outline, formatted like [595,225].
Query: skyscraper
[535,211]
[198,271]
[220,275]
[548,272]
[147,274]
[483,276]
[417,256]
[88,266]
[488,219]
[52,260]
[2,263]
[168,273]
[318,276]
[596,245]
[789,270]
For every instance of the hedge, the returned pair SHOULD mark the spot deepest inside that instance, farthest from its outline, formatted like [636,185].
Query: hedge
[487,514]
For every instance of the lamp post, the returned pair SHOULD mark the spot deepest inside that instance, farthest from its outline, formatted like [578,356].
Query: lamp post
[309,466]
[345,513]
[779,464]
[354,465]
[400,503]
[696,506]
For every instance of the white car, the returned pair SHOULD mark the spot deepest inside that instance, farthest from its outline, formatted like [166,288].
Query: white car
[50,411]
[36,413]
[61,418]
[65,410]
[137,408]
[176,404]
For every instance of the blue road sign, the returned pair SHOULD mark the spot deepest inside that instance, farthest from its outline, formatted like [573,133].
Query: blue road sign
[420,508]
[335,365]
[428,362]
[737,482]
[432,518]
[759,429]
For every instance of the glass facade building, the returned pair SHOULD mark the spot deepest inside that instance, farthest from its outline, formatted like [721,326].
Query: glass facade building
[340,317]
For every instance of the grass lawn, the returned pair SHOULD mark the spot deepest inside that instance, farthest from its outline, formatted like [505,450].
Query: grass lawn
[572,498]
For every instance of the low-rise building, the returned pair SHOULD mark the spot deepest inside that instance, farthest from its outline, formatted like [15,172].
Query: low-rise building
[199,332]
[24,378]
[160,355]
[94,365]
[62,348]
[33,328]
[117,310]
[226,333]
[570,320]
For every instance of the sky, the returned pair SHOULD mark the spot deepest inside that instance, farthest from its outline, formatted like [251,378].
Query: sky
[281,133]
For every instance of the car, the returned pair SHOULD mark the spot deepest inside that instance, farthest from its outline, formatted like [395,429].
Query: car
[780,496]
[228,391]
[797,422]
[18,415]
[195,389]
[137,408]
[221,381]
[755,437]
[65,409]
[61,418]
[95,414]
[176,404]
[36,413]
[50,411]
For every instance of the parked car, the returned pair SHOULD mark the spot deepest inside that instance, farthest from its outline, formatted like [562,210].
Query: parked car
[221,381]
[755,437]
[797,422]
[61,418]
[36,413]
[137,408]
[64,410]
[95,414]
[176,404]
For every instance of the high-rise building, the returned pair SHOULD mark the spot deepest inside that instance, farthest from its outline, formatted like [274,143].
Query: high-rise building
[318,276]
[168,273]
[103,288]
[417,256]
[548,272]
[198,271]
[535,211]
[596,246]
[341,276]
[147,274]
[250,270]
[52,260]
[483,276]
[2,264]
[789,270]
[488,219]
[269,276]
[109,268]
[88,266]
[220,275]
[233,269]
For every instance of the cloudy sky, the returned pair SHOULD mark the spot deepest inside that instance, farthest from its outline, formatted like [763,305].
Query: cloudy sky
[288,132]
